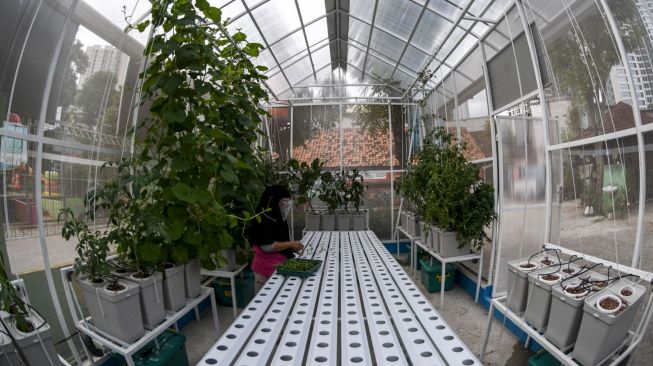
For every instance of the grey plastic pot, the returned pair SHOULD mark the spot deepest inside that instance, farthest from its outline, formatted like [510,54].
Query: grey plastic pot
[518,282]
[37,346]
[174,289]
[193,278]
[117,313]
[435,238]
[601,334]
[413,227]
[567,311]
[328,222]
[151,296]
[402,221]
[359,221]
[538,305]
[312,221]
[344,221]
[8,354]
[449,245]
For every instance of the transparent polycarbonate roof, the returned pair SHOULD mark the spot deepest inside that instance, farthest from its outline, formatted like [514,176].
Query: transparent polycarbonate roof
[357,47]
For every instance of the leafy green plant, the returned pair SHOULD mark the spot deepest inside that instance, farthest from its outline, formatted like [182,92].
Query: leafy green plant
[196,158]
[329,191]
[306,175]
[92,247]
[11,301]
[352,186]
[446,189]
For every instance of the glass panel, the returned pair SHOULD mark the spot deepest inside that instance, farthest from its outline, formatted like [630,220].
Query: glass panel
[321,57]
[245,25]
[377,68]
[446,9]
[115,11]
[276,18]
[462,49]
[583,98]
[595,196]
[311,10]
[232,9]
[450,43]
[430,32]
[365,137]
[400,26]
[289,46]
[277,83]
[522,193]
[355,57]
[317,31]
[475,126]
[362,9]
[358,31]
[316,134]
[472,65]
[414,59]
[279,128]
[299,70]
[387,45]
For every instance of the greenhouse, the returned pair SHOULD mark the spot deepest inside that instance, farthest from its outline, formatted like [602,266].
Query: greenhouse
[326,182]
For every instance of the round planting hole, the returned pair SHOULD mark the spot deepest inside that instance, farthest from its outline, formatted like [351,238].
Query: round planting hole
[298,322]
[291,344]
[231,336]
[322,345]
[259,341]
[294,332]
[440,327]
[265,330]
[252,354]
[325,322]
[419,341]
[448,338]
[222,348]
[286,358]
[468,362]
[457,349]
[246,316]
[433,318]
[354,345]
[426,354]
[324,332]
[384,332]
[211,361]
[387,345]
[356,359]
[392,358]
[320,359]
[353,332]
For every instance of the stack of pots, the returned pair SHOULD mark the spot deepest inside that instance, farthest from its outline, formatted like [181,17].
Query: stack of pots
[518,271]
[36,346]
[541,282]
[567,302]
[608,316]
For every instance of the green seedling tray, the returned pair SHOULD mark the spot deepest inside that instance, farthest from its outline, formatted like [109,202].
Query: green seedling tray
[287,268]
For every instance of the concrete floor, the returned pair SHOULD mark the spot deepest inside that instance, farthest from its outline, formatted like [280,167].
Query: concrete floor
[463,315]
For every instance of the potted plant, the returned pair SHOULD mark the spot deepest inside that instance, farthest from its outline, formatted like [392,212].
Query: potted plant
[197,156]
[355,195]
[306,176]
[27,338]
[330,195]
[112,302]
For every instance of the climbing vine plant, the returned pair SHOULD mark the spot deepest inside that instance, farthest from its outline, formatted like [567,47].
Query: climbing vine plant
[196,160]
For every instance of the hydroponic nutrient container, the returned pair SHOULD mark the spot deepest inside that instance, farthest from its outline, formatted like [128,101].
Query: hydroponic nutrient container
[37,346]
[540,283]
[518,271]
[567,299]
[608,315]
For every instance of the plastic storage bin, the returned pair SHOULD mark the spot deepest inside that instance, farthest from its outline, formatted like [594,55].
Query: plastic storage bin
[432,274]
[543,358]
[244,289]
[171,351]
[601,333]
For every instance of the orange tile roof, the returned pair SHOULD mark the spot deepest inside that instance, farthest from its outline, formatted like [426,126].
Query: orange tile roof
[360,149]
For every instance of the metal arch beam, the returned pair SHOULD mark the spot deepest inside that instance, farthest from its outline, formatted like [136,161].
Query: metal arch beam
[265,41]
[410,38]
[308,48]
[369,37]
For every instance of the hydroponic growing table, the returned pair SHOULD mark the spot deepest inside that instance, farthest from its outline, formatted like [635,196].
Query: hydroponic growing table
[343,314]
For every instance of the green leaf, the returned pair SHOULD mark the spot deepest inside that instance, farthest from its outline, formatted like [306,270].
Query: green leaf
[239,37]
[149,252]
[143,25]
[183,192]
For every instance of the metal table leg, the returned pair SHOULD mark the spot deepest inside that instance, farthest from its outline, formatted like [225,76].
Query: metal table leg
[442,281]
[479,278]
[233,296]
[214,309]
[488,330]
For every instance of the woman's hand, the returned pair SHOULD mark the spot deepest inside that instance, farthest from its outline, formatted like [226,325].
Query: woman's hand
[296,246]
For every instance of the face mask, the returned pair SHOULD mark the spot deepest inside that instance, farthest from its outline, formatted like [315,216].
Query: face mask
[285,209]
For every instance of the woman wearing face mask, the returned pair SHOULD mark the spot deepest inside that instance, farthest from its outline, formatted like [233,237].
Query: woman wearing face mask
[270,238]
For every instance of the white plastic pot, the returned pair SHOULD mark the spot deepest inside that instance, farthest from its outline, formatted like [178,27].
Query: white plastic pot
[572,294]
[608,311]
[625,289]
[523,266]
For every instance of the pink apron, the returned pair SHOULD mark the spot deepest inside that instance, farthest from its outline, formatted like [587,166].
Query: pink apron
[265,263]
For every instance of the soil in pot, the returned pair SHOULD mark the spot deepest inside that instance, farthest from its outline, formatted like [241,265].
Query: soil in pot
[609,303]
[599,284]
[115,287]
[550,277]
[568,270]
[576,291]
[527,266]
[546,261]
[25,326]
[626,291]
